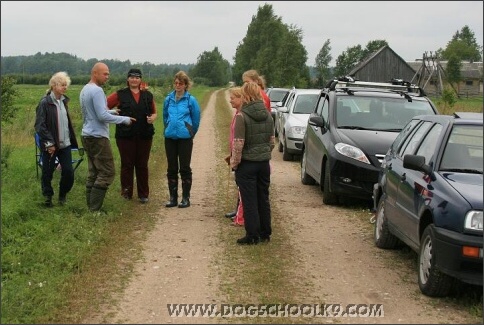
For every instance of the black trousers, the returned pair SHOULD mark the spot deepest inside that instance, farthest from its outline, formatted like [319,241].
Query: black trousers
[253,179]
[179,156]
[64,157]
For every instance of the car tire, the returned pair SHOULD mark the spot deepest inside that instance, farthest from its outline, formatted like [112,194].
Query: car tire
[305,178]
[329,198]
[431,280]
[382,235]
[285,155]
[279,147]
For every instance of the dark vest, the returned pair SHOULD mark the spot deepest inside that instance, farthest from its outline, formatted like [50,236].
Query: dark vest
[129,107]
[257,146]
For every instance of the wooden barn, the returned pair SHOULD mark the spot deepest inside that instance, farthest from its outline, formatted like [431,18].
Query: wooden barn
[383,66]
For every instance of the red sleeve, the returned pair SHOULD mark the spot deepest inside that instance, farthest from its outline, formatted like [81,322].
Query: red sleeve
[266,99]
[113,100]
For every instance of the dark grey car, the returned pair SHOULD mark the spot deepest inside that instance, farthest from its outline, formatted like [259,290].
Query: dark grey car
[349,133]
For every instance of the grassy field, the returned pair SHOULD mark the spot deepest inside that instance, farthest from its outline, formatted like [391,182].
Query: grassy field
[58,263]
[53,260]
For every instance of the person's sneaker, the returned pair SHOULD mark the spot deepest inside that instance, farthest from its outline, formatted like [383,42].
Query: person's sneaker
[48,202]
[230,214]
[248,241]
[143,200]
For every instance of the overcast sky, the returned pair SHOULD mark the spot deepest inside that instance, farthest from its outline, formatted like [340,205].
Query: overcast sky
[179,31]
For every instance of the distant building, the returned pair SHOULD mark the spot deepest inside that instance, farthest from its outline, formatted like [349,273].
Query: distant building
[385,65]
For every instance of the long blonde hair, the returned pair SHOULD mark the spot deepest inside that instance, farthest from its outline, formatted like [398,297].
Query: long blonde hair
[254,76]
[251,92]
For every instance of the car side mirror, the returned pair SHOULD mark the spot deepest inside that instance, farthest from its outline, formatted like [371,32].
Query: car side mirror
[279,104]
[316,120]
[415,162]
[283,109]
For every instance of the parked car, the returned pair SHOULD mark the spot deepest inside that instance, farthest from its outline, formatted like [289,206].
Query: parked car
[352,128]
[429,196]
[292,120]
[276,95]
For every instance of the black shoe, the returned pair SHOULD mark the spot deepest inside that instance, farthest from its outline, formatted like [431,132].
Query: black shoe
[48,202]
[185,203]
[230,214]
[143,199]
[248,241]
[265,239]
[62,200]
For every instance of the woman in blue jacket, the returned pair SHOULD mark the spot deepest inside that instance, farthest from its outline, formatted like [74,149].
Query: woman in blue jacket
[181,118]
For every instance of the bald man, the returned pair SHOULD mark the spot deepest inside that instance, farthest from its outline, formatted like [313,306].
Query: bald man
[95,136]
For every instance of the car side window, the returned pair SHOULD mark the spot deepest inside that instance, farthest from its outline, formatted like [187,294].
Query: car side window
[290,100]
[411,143]
[403,134]
[427,148]
[319,107]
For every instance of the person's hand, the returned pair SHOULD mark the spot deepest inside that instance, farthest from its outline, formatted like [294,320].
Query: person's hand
[151,118]
[114,111]
[51,150]
[227,159]
[131,120]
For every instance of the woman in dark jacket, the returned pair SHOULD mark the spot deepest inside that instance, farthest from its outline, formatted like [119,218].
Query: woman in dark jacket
[252,145]
[56,134]
[134,141]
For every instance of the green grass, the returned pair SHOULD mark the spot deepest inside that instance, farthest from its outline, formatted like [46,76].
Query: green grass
[58,263]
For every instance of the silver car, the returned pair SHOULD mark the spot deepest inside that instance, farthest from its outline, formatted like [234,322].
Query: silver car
[292,120]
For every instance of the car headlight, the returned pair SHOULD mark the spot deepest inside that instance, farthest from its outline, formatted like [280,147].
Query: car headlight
[351,152]
[297,130]
[473,220]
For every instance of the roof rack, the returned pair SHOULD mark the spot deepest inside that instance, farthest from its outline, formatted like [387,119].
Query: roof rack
[394,84]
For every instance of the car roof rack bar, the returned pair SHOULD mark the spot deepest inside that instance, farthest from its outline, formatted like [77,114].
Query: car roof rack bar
[394,84]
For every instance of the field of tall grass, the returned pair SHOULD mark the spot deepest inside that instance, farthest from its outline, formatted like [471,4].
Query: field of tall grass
[57,263]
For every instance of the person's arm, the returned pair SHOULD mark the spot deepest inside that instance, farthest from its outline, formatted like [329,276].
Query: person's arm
[195,113]
[238,141]
[154,114]
[46,137]
[102,113]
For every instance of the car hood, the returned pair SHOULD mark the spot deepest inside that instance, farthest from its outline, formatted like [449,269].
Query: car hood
[371,142]
[298,119]
[467,185]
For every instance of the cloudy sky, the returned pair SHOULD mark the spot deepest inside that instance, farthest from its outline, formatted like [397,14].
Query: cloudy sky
[179,31]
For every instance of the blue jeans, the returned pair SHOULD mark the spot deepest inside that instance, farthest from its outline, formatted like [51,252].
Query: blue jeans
[64,156]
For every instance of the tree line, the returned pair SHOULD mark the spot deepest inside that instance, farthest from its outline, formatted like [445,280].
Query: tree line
[270,46]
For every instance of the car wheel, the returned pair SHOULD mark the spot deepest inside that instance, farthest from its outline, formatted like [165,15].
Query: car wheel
[329,198]
[285,155]
[431,280]
[305,178]
[383,237]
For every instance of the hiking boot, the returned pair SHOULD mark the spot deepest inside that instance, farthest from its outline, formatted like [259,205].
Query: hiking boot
[248,240]
[48,202]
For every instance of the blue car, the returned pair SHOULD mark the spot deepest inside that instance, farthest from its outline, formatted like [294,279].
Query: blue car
[430,197]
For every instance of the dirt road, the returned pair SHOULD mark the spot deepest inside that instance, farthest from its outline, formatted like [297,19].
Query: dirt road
[337,261]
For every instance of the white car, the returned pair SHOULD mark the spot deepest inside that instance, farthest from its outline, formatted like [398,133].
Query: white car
[292,120]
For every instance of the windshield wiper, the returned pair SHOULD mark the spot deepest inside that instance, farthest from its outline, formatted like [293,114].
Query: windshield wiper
[352,127]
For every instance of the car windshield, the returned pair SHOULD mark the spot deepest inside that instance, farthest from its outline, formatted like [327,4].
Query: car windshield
[277,95]
[305,103]
[463,152]
[378,113]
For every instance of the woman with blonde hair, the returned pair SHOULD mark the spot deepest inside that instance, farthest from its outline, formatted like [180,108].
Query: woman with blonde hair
[253,76]
[56,133]
[252,145]
[236,100]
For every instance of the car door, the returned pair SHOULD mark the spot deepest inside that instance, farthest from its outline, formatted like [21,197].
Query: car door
[315,150]
[411,184]
[284,114]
